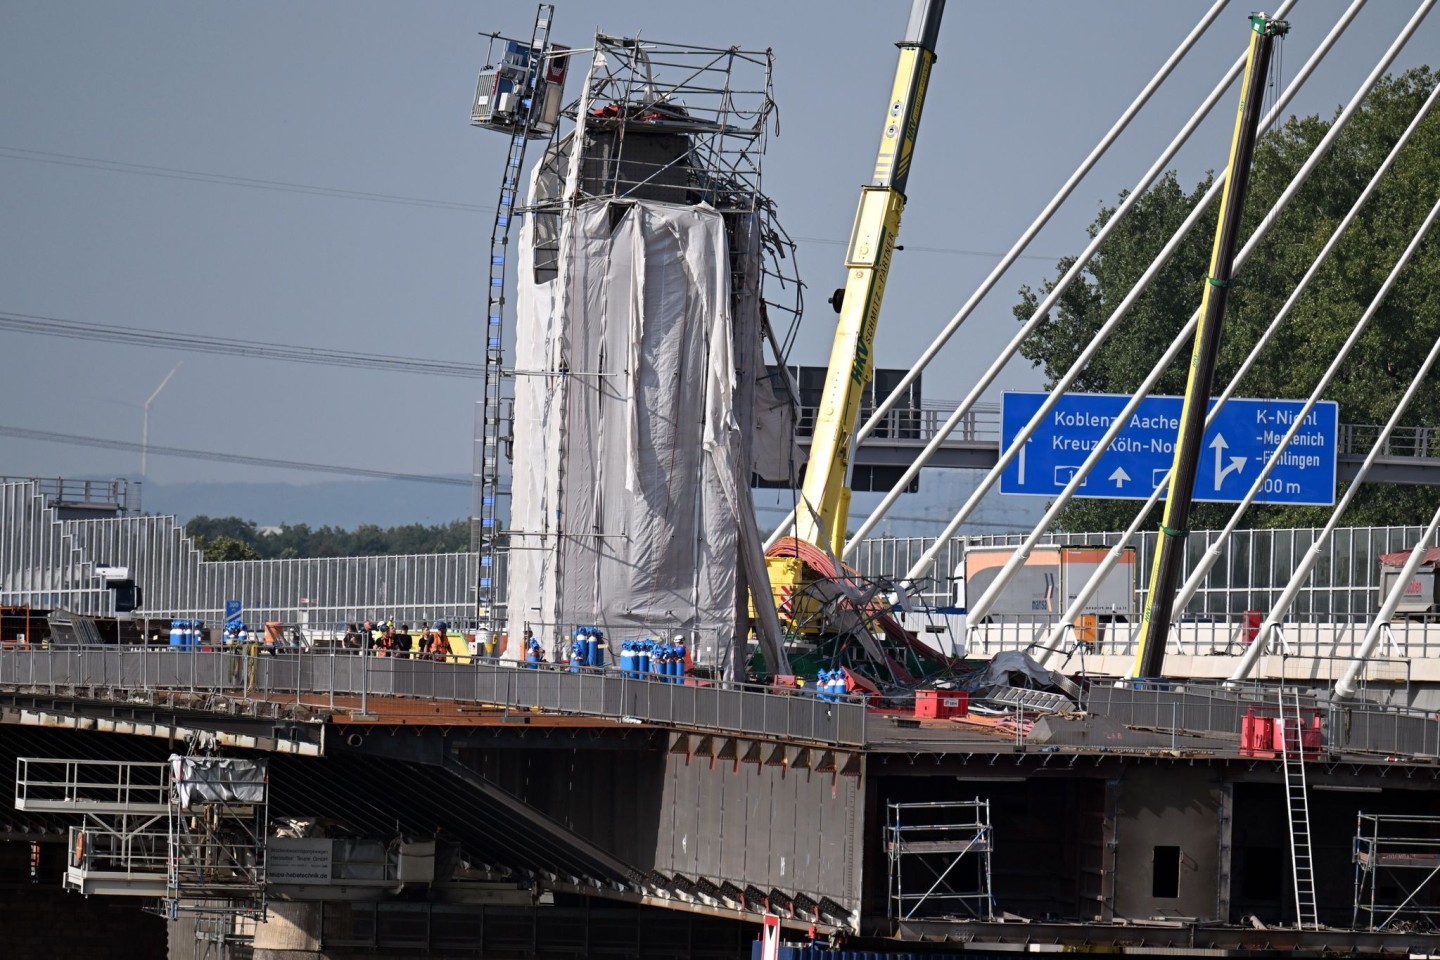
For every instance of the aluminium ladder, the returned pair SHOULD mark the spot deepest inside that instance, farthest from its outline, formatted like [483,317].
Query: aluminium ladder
[1297,805]
[487,458]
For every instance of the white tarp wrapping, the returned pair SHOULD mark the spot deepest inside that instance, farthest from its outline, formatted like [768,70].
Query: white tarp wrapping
[217,780]
[627,458]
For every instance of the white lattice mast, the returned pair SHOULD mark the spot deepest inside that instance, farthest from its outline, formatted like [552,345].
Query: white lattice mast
[520,97]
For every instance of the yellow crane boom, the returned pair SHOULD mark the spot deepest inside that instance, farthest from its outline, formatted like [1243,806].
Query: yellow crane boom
[825,506]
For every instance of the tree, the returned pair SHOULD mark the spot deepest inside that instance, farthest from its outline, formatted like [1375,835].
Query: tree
[231,538]
[221,547]
[1383,361]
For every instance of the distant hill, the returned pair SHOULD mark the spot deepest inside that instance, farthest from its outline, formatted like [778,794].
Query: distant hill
[389,503]
[339,503]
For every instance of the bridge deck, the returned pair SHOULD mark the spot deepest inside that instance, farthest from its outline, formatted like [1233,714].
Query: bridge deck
[351,689]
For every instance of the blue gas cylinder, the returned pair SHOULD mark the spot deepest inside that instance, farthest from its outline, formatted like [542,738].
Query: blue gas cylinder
[838,684]
[678,670]
[175,633]
[626,655]
[822,685]
[660,659]
[577,654]
[592,647]
[642,659]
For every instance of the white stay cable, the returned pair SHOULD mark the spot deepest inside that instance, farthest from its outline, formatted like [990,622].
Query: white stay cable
[1345,687]
[982,606]
[1207,561]
[1203,567]
[1312,556]
[1052,642]
[1053,297]
[1030,233]
[926,561]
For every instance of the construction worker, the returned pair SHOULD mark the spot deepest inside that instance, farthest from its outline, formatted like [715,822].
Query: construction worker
[439,647]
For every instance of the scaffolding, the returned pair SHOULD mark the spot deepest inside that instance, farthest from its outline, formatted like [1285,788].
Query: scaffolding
[948,858]
[672,122]
[188,832]
[1396,858]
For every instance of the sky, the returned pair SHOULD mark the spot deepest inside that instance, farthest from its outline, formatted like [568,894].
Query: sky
[373,98]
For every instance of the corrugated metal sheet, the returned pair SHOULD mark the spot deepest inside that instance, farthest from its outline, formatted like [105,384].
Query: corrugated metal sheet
[47,562]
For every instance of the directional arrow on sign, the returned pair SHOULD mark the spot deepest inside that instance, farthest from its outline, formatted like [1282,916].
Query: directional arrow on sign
[1221,471]
[1145,449]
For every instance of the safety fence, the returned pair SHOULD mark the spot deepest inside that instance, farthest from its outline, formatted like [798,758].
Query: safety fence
[713,707]
[1349,728]
[1253,568]
[1403,641]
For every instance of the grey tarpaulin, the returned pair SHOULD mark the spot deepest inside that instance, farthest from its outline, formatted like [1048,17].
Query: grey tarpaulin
[625,422]
[217,780]
[1013,668]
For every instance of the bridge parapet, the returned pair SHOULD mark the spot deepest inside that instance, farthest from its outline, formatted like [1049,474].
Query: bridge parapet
[316,679]
[342,681]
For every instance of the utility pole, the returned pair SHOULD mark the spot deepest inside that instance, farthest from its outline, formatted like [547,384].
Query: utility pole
[1156,619]
[145,424]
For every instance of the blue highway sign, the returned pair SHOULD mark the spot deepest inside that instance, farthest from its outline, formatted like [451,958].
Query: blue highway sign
[1233,453]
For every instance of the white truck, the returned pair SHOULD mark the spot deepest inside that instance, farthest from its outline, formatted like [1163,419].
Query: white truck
[1048,583]
[1038,593]
[1419,597]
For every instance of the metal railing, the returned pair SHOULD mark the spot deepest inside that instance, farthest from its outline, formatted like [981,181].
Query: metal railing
[1359,728]
[119,494]
[91,786]
[1254,567]
[742,709]
[921,422]
[746,709]
[1409,442]
[1229,636]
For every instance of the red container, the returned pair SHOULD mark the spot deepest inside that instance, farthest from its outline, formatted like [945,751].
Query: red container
[1263,733]
[1252,626]
[1257,733]
[941,704]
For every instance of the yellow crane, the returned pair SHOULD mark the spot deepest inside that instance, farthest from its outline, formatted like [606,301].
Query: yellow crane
[825,494]
[1155,620]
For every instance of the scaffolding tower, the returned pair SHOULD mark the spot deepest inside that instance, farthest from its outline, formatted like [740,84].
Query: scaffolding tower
[939,860]
[188,832]
[653,125]
[1396,858]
